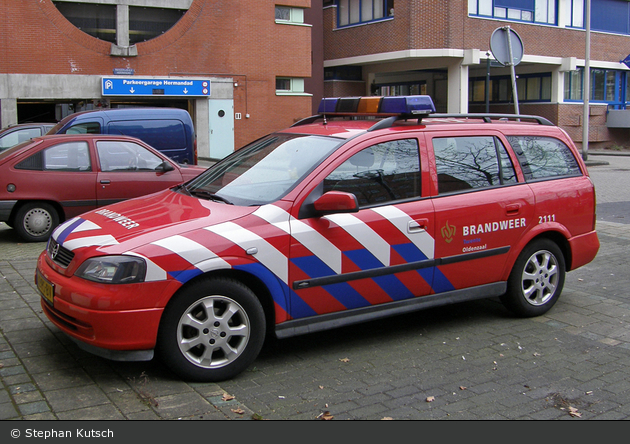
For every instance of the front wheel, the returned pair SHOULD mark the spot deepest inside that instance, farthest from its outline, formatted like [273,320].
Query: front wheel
[35,221]
[213,330]
[536,280]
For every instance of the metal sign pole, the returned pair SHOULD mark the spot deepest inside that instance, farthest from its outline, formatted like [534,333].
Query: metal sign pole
[512,69]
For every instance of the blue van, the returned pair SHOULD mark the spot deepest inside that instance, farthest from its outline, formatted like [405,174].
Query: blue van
[169,130]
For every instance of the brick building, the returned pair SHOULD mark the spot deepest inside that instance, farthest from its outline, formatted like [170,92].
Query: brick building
[257,57]
[442,48]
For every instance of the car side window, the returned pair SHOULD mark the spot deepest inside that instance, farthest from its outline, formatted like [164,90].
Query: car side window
[70,156]
[19,136]
[471,162]
[544,157]
[85,128]
[382,173]
[125,156]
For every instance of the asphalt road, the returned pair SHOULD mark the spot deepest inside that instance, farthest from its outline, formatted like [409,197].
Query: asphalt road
[471,361]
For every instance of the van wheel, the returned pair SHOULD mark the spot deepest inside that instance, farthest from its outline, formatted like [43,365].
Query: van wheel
[211,331]
[536,280]
[35,221]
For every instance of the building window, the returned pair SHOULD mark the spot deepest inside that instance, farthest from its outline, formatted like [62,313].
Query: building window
[148,23]
[575,13]
[289,15]
[352,12]
[536,11]
[123,23]
[607,86]
[289,85]
[401,89]
[530,88]
[97,20]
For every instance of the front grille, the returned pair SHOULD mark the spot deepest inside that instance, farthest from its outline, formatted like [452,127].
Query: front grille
[59,254]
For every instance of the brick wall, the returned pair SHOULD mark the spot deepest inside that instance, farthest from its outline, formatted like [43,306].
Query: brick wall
[221,38]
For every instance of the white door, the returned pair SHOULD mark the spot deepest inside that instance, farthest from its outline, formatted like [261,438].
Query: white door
[221,123]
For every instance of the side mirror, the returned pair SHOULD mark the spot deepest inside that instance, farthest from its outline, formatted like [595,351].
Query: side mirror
[336,202]
[164,167]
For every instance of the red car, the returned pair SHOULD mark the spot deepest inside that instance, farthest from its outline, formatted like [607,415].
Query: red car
[345,217]
[49,179]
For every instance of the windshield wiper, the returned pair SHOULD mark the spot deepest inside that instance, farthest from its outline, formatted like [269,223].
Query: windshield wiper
[209,195]
[182,186]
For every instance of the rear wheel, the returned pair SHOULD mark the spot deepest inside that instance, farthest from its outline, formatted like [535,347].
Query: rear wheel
[212,331]
[35,221]
[536,280]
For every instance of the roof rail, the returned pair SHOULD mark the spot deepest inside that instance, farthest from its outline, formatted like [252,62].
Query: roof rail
[487,118]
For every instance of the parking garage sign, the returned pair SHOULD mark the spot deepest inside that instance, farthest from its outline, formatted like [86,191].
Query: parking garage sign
[133,86]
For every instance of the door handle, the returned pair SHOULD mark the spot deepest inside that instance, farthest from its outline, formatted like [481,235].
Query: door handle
[512,209]
[417,225]
[106,181]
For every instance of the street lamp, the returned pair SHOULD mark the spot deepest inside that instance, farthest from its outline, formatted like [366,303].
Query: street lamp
[587,81]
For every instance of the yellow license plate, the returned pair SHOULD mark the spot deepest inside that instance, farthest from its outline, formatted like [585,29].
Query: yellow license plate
[46,288]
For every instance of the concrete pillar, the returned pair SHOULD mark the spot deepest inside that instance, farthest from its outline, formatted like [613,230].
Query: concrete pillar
[122,25]
[457,88]
[8,112]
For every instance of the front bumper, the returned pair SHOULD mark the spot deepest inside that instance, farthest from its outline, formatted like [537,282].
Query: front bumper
[87,313]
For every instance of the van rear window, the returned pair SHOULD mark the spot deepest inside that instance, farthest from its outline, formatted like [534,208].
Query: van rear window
[160,134]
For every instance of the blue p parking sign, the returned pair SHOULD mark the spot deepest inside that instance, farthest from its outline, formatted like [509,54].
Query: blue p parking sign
[132,86]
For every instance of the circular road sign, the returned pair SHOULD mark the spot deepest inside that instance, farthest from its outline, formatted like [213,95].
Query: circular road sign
[500,42]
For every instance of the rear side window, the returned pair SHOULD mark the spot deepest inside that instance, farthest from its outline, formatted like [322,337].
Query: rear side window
[469,162]
[544,157]
[71,156]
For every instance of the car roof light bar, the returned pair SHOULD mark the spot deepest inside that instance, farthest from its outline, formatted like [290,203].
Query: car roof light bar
[377,105]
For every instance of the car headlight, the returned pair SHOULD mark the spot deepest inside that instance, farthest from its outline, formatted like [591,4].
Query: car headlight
[113,269]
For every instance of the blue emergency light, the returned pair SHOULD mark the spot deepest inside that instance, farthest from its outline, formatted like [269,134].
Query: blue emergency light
[391,105]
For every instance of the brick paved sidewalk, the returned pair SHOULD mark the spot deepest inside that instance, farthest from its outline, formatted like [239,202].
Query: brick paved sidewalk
[468,361]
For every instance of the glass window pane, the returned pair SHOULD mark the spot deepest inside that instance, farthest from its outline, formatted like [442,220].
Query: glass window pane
[598,79]
[465,163]
[283,13]
[355,11]
[73,156]
[533,88]
[485,7]
[366,10]
[343,11]
[544,157]
[611,79]
[379,174]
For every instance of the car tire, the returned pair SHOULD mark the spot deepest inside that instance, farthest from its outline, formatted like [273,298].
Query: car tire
[536,280]
[211,331]
[35,221]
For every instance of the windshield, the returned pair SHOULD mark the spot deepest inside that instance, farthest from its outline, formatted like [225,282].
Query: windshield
[264,171]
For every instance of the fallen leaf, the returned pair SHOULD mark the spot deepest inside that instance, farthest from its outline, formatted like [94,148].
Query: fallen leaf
[227,397]
[574,412]
[430,398]
[321,386]
[387,418]
[238,411]
[345,359]
[325,416]
[461,387]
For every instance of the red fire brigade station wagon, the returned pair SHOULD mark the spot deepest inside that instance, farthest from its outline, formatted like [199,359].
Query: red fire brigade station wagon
[372,208]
